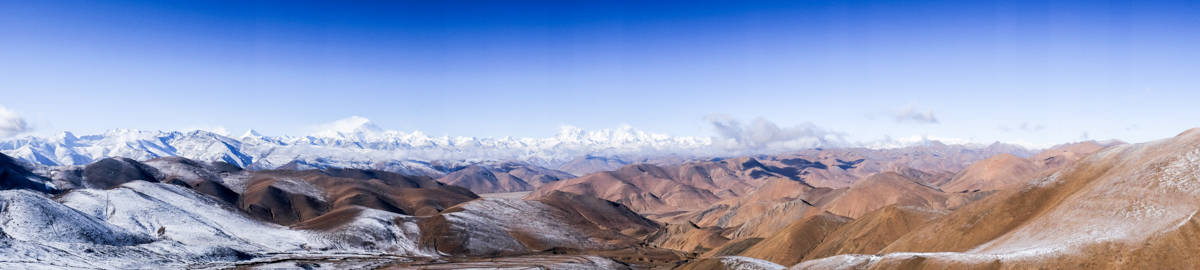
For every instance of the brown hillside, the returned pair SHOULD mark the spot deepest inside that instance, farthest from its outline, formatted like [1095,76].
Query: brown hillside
[1126,207]
[889,188]
[790,245]
[688,237]
[288,197]
[874,231]
[995,173]
[483,180]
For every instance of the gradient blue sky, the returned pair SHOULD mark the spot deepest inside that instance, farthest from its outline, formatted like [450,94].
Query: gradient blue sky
[983,69]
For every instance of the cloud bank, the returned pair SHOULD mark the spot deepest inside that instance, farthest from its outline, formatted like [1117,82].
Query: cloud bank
[910,114]
[11,123]
[349,126]
[761,134]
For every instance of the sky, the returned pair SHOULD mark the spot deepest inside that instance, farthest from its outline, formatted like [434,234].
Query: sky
[1032,72]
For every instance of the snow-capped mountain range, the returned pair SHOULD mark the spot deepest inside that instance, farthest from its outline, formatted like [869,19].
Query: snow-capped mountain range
[355,142]
[360,145]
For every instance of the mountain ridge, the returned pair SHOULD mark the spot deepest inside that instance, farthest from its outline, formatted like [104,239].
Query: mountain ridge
[571,149]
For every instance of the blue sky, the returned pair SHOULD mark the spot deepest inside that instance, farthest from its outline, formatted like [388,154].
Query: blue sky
[1039,72]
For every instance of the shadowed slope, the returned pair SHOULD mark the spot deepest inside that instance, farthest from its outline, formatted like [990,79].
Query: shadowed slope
[15,176]
[111,172]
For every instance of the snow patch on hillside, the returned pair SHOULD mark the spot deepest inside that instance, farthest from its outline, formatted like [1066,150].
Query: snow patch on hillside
[1181,174]
[173,212]
[299,187]
[490,222]
[747,263]
[375,231]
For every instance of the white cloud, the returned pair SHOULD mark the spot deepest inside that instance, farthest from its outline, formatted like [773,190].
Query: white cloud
[910,114]
[761,134]
[352,126]
[11,123]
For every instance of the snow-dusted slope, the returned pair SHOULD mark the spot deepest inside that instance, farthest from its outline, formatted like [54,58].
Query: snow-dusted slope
[173,212]
[166,224]
[731,263]
[371,230]
[142,224]
[33,217]
[39,233]
[746,263]
[498,227]
[179,214]
[504,226]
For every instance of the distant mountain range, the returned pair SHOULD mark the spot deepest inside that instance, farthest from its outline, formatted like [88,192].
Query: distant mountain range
[365,146]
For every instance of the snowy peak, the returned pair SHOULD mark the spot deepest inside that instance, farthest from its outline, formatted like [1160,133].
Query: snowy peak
[251,133]
[68,138]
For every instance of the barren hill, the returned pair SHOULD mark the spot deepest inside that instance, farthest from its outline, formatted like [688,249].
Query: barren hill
[889,188]
[1125,207]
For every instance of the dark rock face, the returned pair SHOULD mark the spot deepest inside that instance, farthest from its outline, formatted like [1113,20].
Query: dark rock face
[111,172]
[211,188]
[15,176]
